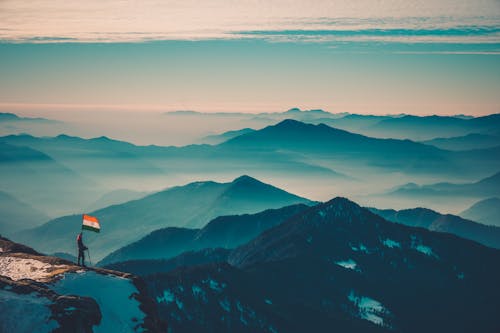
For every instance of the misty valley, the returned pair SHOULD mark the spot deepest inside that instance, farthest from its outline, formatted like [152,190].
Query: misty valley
[303,220]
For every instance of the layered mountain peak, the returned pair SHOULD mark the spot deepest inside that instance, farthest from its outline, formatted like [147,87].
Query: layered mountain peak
[334,212]
[341,206]
[338,265]
[338,221]
[245,179]
[291,123]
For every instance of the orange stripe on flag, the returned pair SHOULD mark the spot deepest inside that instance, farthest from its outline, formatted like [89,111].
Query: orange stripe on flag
[90,218]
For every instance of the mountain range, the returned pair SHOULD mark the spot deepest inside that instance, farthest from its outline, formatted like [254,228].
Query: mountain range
[430,127]
[434,221]
[40,181]
[17,215]
[466,142]
[192,205]
[222,232]
[337,266]
[325,141]
[486,211]
[489,186]
[219,138]
[11,117]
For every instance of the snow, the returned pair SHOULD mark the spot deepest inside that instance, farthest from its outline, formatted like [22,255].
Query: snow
[369,309]
[168,297]
[361,248]
[20,268]
[225,305]
[268,301]
[120,312]
[199,293]
[460,276]
[349,264]
[391,243]
[214,285]
[322,213]
[25,313]
[425,250]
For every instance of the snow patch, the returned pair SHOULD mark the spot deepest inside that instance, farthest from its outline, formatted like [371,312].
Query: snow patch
[425,250]
[167,297]
[268,301]
[20,268]
[25,313]
[322,213]
[199,293]
[361,248]
[225,305]
[391,243]
[214,285]
[120,311]
[369,309]
[349,264]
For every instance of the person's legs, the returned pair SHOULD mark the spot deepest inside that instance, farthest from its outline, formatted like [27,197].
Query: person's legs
[82,256]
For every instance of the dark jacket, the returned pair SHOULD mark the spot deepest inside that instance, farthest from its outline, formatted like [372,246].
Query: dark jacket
[79,240]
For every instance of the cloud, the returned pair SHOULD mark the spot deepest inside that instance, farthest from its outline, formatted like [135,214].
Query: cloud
[407,21]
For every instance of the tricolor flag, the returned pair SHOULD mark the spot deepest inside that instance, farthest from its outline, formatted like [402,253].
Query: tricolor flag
[91,223]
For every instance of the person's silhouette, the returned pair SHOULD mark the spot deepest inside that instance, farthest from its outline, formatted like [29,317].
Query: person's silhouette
[81,249]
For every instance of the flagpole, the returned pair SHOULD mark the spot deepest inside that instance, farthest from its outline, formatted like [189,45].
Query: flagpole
[77,249]
[90,260]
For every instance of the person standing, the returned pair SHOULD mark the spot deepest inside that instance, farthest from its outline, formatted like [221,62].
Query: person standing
[81,249]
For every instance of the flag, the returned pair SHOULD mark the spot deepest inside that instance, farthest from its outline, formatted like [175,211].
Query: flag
[91,223]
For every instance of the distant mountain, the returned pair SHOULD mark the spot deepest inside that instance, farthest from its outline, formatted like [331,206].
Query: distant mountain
[205,114]
[486,187]
[223,231]
[109,161]
[190,206]
[115,197]
[294,113]
[17,215]
[325,141]
[434,221]
[219,138]
[355,122]
[337,266]
[11,117]
[100,156]
[430,127]
[486,211]
[466,142]
[42,182]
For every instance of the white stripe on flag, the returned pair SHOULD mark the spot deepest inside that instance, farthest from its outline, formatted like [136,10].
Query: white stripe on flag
[91,224]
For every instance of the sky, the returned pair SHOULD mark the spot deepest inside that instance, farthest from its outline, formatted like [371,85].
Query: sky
[366,56]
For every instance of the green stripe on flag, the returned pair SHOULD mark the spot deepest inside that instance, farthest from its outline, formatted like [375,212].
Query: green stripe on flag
[86,227]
